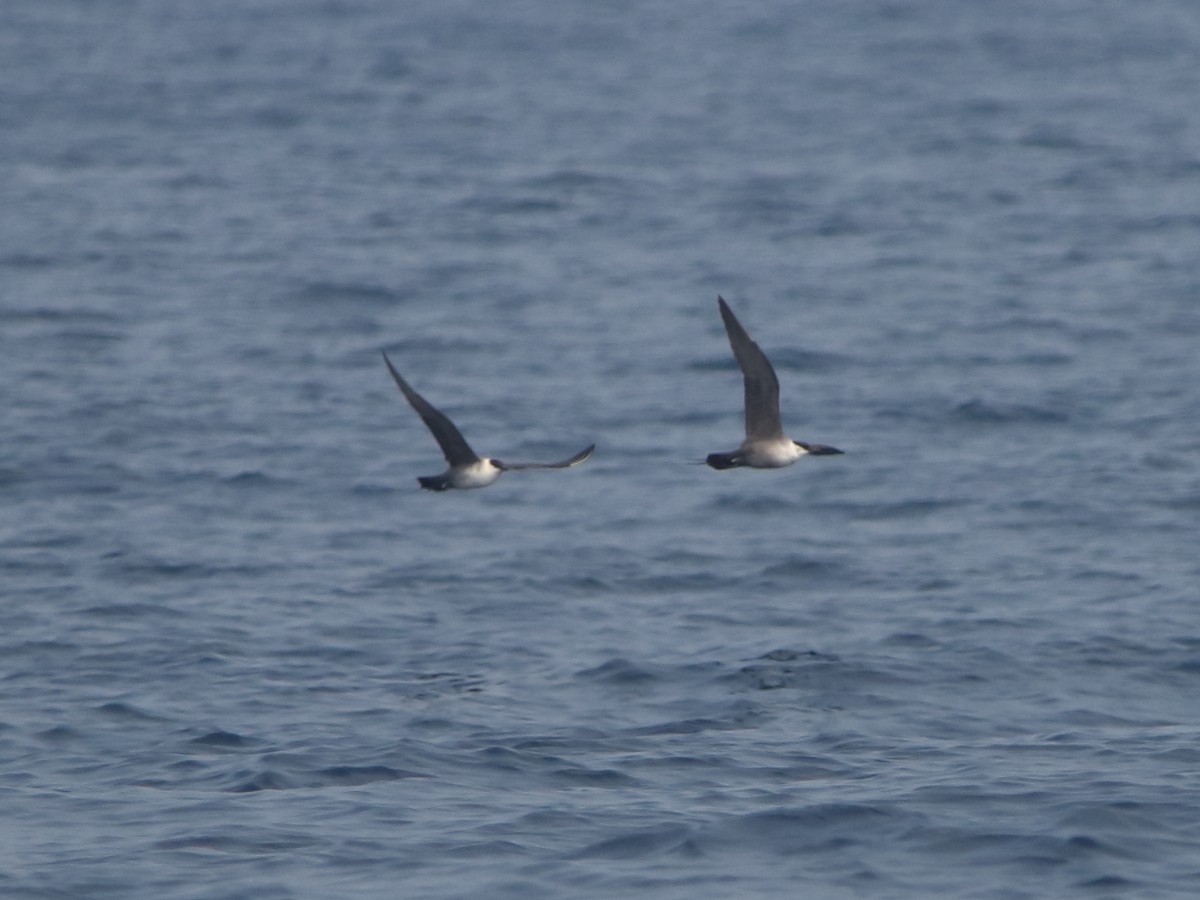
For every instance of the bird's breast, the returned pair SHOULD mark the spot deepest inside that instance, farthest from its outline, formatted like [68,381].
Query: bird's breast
[478,474]
[770,454]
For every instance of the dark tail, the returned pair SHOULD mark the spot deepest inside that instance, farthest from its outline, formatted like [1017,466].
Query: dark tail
[722,460]
[434,482]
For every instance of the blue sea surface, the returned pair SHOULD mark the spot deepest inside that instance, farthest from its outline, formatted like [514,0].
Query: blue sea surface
[244,657]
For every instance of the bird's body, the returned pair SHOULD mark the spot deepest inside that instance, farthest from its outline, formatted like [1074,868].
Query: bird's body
[467,469]
[761,454]
[765,446]
[478,474]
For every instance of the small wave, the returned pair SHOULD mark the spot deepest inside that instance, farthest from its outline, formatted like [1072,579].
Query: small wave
[265,780]
[673,583]
[72,315]
[753,503]
[618,671]
[803,567]
[36,648]
[119,710]
[1046,136]
[687,726]
[519,205]
[254,478]
[221,739]
[901,509]
[26,261]
[89,339]
[144,569]
[486,849]
[1183,503]
[999,847]
[982,412]
[350,776]
[1107,882]
[274,115]
[817,828]
[808,669]
[61,734]
[331,292]
[390,64]
[255,841]
[910,639]
[642,842]
[587,777]
[128,611]
[576,179]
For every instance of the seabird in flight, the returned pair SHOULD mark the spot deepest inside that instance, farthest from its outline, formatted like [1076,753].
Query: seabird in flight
[467,468]
[765,446]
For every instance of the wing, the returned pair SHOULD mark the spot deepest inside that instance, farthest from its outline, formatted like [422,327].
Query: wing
[454,446]
[565,464]
[762,385]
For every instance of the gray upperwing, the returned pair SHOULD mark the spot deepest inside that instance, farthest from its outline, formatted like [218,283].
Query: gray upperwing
[564,464]
[454,446]
[761,383]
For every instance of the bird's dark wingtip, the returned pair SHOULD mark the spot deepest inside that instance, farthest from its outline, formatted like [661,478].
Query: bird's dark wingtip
[582,456]
[387,362]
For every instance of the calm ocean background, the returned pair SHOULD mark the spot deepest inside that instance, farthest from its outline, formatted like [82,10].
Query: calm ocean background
[242,655]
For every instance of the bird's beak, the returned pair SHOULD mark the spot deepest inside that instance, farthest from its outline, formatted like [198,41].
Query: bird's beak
[820,449]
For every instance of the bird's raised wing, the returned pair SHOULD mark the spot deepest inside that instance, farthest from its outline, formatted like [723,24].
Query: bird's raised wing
[454,446]
[564,464]
[762,385]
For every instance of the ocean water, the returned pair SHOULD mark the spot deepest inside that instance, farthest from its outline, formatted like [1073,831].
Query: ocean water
[242,655]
